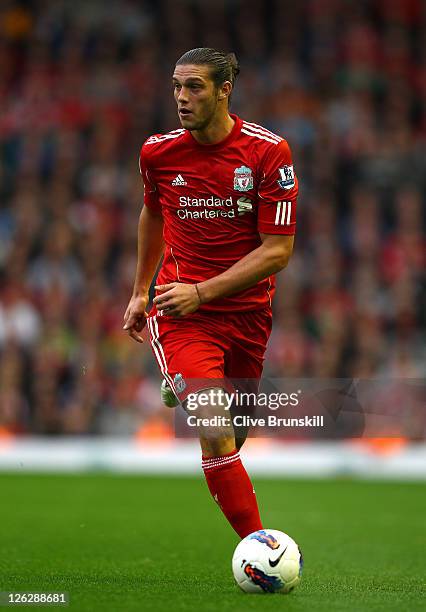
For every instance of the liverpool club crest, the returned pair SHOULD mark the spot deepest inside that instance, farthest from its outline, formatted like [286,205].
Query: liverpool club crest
[180,384]
[243,179]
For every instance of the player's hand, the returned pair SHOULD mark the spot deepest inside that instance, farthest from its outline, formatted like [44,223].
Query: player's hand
[135,317]
[177,299]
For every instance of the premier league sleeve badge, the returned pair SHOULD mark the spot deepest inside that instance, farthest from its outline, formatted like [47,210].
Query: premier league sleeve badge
[286,180]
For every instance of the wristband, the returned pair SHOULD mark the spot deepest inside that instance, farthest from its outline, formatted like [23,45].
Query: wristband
[198,293]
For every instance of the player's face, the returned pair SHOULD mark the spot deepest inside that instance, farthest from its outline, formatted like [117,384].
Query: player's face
[196,96]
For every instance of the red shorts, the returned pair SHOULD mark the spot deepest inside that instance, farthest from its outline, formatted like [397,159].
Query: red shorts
[193,350]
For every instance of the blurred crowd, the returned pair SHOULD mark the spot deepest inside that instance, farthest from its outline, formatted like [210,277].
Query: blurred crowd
[84,83]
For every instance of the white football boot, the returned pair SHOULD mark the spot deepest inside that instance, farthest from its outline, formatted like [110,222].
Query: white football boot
[167,396]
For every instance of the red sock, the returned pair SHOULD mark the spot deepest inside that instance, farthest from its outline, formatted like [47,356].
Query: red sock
[232,489]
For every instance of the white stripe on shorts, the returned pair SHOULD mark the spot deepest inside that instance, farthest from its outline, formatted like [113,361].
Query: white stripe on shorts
[158,350]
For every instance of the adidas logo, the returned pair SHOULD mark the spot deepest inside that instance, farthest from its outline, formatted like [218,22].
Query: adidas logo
[179,181]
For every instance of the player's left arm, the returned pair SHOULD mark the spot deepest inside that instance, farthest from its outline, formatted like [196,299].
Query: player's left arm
[269,258]
[276,225]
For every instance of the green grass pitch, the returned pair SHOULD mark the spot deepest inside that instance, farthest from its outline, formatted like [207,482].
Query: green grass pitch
[124,543]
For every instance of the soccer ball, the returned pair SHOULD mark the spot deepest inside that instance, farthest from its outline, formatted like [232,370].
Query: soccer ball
[267,561]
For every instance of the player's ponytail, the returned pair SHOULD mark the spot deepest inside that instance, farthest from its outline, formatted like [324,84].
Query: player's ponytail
[224,66]
[234,66]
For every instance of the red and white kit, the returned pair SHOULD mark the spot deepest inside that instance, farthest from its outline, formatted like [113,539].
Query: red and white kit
[215,201]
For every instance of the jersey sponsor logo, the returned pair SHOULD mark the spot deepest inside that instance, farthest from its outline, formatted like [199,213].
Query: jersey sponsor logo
[205,208]
[213,207]
[244,205]
[243,179]
[286,180]
[210,201]
[205,213]
[179,181]
[283,214]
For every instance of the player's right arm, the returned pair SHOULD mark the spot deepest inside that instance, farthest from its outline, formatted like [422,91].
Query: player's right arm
[150,251]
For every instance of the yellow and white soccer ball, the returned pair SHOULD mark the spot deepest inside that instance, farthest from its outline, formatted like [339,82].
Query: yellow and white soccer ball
[267,561]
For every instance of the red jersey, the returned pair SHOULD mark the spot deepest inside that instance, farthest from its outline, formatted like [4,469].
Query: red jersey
[215,200]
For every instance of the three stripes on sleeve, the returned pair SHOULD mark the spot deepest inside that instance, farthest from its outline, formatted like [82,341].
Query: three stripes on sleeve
[283,214]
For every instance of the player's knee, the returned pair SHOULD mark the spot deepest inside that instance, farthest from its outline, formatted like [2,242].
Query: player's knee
[216,447]
[210,409]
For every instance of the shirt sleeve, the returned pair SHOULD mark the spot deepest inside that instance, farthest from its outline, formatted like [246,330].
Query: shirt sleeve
[277,192]
[151,199]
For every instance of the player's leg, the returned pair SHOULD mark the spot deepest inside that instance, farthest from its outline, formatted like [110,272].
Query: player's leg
[188,354]
[244,364]
[225,474]
[215,430]
[247,389]
[226,477]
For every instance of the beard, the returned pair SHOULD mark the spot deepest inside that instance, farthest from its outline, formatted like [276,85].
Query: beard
[194,123]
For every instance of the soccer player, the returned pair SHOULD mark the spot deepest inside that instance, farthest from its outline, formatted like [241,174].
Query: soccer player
[220,207]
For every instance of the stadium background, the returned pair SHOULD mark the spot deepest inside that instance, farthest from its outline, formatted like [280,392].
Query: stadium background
[83,84]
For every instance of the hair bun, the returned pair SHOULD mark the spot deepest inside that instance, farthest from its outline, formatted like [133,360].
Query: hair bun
[233,62]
